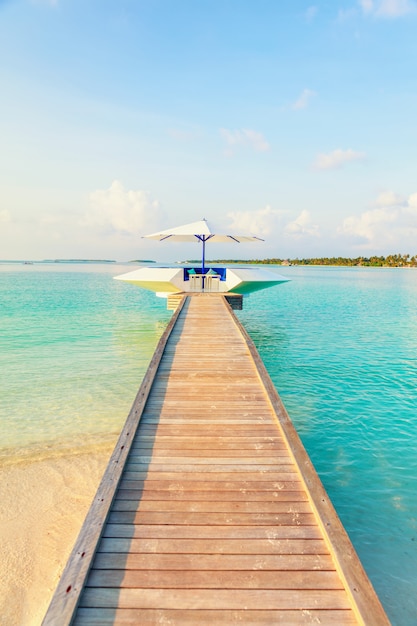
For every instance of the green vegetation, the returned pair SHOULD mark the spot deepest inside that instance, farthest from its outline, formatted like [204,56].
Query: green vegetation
[392,260]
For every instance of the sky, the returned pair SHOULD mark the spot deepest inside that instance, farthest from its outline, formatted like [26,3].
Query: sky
[291,120]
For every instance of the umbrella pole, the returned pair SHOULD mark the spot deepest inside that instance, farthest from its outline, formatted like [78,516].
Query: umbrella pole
[202,264]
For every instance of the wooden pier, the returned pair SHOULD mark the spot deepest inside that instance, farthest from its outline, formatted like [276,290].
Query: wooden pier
[210,511]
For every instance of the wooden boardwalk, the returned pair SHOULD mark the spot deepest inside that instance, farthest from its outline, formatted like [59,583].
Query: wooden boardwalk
[210,511]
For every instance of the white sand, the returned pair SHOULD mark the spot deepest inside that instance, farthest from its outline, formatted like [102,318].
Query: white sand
[42,507]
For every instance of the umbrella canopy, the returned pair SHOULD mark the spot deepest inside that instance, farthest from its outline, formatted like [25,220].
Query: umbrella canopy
[200,231]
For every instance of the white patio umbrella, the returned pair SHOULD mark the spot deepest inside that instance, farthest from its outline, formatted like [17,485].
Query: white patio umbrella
[201,231]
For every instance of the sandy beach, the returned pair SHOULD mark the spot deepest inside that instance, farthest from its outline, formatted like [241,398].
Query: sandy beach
[42,506]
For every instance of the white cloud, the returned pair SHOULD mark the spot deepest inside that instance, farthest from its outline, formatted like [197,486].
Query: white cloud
[302,226]
[311,13]
[410,207]
[412,201]
[337,158]
[366,5]
[303,100]
[389,226]
[268,223]
[260,223]
[390,198]
[388,8]
[116,210]
[346,14]
[370,225]
[5,216]
[245,138]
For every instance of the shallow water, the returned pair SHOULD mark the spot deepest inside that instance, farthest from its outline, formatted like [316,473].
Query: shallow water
[340,345]
[74,347]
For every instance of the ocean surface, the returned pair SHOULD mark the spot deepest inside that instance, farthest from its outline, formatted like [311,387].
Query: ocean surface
[340,345]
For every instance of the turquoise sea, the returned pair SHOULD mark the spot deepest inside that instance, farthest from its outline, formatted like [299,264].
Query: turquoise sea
[340,345]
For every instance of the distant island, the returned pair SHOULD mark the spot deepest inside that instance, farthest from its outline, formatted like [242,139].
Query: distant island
[77,261]
[392,260]
[142,261]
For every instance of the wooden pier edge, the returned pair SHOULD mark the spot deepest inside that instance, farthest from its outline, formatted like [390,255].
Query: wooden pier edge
[68,591]
[365,601]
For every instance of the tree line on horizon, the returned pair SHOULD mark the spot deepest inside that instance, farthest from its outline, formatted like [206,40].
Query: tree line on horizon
[392,260]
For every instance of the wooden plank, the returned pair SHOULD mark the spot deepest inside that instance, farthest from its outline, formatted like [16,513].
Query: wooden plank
[119,514]
[155,485]
[204,579]
[208,496]
[214,562]
[162,454]
[196,599]
[206,441]
[184,419]
[201,429]
[151,617]
[214,545]
[206,465]
[172,531]
[202,446]
[156,459]
[197,403]
[293,508]
[268,477]
[192,415]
